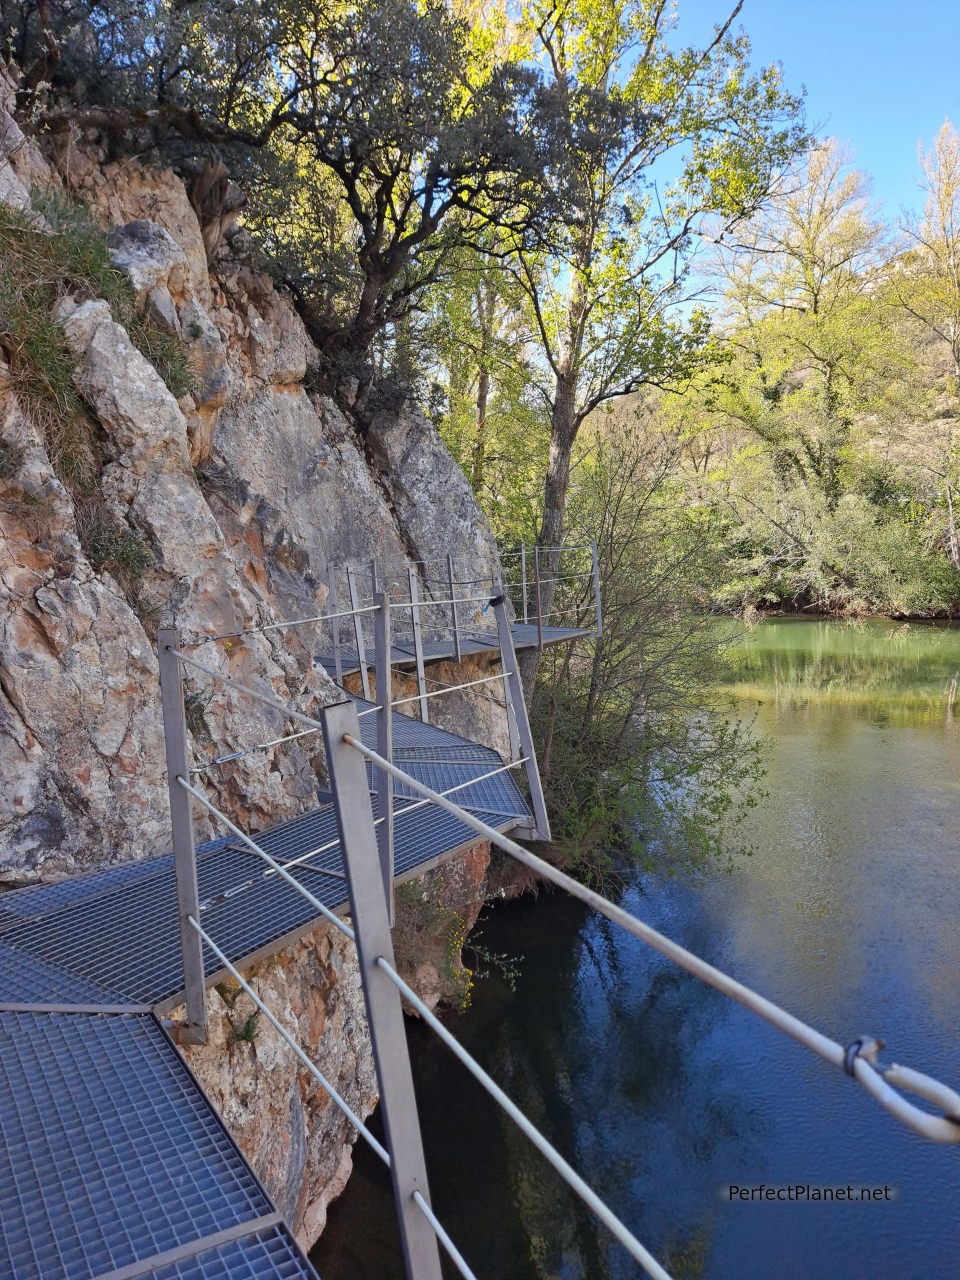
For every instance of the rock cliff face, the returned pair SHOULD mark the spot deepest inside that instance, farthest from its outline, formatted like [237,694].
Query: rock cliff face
[241,495]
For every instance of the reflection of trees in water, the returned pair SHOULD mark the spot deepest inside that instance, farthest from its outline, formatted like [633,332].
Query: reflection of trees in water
[917,666]
[607,1058]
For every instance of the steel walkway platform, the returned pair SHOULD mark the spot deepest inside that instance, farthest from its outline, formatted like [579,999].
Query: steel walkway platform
[111,937]
[473,644]
[113,1164]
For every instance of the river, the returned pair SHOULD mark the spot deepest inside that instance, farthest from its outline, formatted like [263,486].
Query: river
[661,1091]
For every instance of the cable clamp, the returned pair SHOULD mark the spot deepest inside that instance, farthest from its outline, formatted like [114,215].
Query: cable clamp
[863,1047]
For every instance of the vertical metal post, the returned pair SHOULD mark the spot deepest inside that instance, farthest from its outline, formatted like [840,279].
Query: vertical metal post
[596,588]
[453,607]
[418,643]
[536,581]
[348,776]
[508,656]
[181,821]
[523,581]
[511,717]
[384,674]
[358,633]
[374,578]
[335,622]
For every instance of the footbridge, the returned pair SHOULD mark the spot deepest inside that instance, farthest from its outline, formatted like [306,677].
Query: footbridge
[113,1164]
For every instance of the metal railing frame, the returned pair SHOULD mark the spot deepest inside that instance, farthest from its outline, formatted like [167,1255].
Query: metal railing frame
[172,660]
[176,750]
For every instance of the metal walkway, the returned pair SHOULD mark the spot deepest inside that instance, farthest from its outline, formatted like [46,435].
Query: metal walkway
[113,1164]
[112,937]
[473,644]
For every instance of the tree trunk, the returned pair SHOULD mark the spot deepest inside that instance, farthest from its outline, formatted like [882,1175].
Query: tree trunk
[479,453]
[564,424]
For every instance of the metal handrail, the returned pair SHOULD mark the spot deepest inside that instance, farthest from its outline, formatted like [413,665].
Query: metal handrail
[861,1064]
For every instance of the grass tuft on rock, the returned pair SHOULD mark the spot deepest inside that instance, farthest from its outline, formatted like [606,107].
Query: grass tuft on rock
[44,255]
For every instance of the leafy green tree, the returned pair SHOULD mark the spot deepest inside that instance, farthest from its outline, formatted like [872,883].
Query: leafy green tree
[813,348]
[678,769]
[657,141]
[478,335]
[927,286]
[387,126]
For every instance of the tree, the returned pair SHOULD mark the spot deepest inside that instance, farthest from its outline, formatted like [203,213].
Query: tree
[927,287]
[425,147]
[384,124]
[812,347]
[606,294]
[634,735]
[476,337]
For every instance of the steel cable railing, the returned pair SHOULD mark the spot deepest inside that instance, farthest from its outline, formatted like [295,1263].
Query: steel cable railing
[858,1060]
[341,1104]
[174,664]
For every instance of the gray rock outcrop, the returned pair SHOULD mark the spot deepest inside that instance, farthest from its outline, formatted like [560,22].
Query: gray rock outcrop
[236,498]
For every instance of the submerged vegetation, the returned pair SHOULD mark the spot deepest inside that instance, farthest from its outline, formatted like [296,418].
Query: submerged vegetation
[643,306]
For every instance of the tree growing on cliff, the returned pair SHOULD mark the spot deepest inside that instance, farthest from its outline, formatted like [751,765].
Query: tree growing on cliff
[427,145]
[383,134]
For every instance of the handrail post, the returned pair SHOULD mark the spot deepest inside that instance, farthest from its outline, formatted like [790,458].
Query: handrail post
[384,676]
[523,581]
[596,587]
[348,777]
[508,657]
[418,643]
[181,821]
[456,626]
[358,633]
[334,622]
[512,733]
[536,580]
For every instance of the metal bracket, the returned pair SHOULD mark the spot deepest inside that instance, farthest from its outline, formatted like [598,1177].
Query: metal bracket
[508,657]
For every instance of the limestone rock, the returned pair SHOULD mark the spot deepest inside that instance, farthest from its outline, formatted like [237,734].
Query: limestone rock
[148,256]
[285,488]
[431,496]
[297,1139]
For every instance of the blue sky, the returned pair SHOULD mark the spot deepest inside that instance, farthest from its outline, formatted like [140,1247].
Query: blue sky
[880,75]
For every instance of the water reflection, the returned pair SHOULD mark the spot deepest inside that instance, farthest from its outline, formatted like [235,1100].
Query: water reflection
[659,1090]
[887,669]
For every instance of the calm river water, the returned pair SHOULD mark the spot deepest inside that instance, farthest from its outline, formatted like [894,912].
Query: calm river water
[661,1091]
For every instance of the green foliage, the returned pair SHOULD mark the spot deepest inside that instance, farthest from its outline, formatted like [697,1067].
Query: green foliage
[789,548]
[824,489]
[114,548]
[195,704]
[642,757]
[246,1032]
[11,459]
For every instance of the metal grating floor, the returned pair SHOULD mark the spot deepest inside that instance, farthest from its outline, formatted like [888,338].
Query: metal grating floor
[270,1252]
[111,1155]
[112,937]
[472,642]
